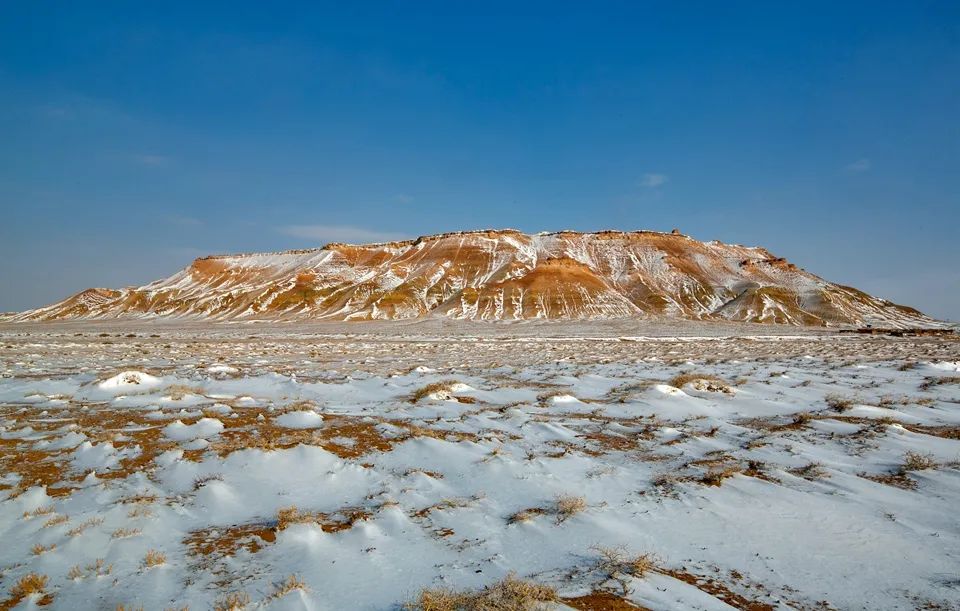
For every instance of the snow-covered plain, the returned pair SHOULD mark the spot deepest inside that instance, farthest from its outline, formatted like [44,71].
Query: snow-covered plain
[163,467]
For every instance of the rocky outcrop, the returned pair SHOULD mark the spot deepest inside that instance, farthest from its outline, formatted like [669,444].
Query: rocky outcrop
[497,275]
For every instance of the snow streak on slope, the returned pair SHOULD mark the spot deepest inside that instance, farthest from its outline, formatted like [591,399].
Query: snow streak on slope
[497,275]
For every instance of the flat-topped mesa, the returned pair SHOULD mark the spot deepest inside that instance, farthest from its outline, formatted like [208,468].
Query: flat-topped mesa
[497,275]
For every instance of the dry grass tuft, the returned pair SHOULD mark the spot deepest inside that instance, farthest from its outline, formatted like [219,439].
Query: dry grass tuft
[439,599]
[31,583]
[509,594]
[567,506]
[544,398]
[123,533]
[39,511]
[200,482]
[839,403]
[915,461]
[76,573]
[440,388]
[811,471]
[55,520]
[291,515]
[614,563]
[38,549]
[140,511]
[233,601]
[639,566]
[100,568]
[701,381]
[293,582]
[525,515]
[154,558]
[625,392]
[178,391]
[77,530]
[931,382]
[715,477]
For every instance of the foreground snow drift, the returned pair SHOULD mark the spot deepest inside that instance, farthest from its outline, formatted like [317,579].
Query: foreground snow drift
[331,474]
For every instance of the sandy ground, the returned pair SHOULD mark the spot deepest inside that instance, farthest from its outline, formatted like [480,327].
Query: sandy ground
[368,466]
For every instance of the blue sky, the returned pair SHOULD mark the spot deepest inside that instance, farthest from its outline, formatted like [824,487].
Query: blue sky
[137,136]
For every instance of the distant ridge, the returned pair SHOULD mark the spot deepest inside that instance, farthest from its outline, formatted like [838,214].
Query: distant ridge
[496,275]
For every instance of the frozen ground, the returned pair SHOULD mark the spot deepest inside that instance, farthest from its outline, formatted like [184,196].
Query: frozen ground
[354,466]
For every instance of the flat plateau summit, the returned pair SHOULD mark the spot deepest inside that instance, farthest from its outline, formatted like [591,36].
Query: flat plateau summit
[496,275]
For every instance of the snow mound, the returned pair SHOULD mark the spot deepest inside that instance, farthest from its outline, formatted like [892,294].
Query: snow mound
[129,379]
[205,427]
[300,420]
[710,386]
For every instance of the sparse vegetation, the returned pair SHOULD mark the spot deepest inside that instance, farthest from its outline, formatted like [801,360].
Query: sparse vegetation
[616,564]
[54,521]
[123,533]
[39,511]
[567,506]
[811,471]
[100,568]
[177,392]
[715,477]
[624,392]
[292,582]
[232,601]
[915,461]
[509,594]
[77,530]
[154,558]
[932,382]
[838,403]
[29,584]
[525,515]
[700,381]
[38,549]
[292,515]
[200,482]
[442,388]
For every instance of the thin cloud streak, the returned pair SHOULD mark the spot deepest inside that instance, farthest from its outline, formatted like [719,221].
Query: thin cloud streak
[653,181]
[858,166]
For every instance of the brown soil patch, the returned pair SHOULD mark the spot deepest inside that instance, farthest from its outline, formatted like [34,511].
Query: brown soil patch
[601,601]
[717,590]
[897,480]
[219,542]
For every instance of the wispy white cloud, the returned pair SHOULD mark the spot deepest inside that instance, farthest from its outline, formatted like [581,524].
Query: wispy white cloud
[185,221]
[860,165]
[653,181]
[403,199]
[151,160]
[339,233]
[57,112]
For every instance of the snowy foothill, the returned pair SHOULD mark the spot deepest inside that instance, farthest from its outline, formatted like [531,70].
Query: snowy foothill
[370,471]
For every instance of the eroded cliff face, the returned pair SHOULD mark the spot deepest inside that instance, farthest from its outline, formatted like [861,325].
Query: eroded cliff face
[497,275]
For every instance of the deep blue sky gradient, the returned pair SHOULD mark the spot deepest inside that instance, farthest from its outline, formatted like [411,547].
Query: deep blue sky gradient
[137,136]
